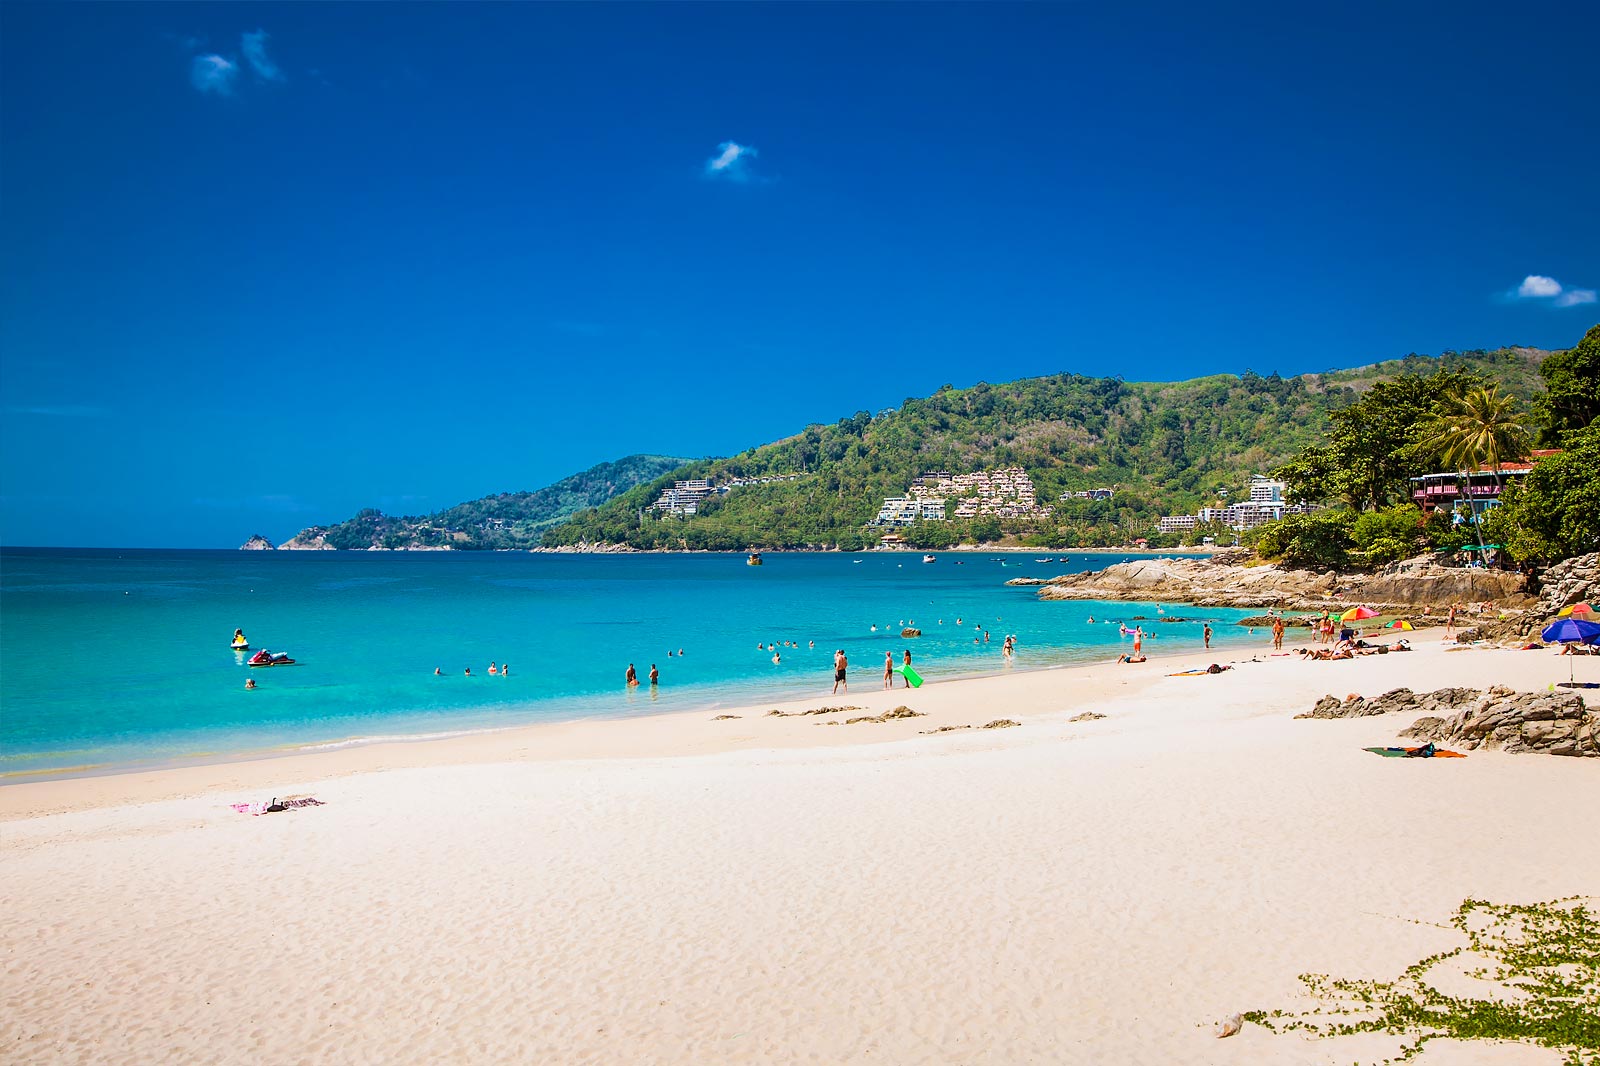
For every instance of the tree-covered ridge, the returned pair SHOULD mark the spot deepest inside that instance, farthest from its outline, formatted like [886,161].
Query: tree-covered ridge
[508,520]
[1165,446]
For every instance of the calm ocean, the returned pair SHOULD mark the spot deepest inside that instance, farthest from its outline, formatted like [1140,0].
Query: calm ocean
[119,658]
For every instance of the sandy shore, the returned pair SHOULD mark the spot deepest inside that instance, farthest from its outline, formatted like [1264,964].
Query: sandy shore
[779,889]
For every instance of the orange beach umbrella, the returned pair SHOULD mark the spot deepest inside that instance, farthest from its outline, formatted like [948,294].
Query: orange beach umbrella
[1356,613]
[1576,609]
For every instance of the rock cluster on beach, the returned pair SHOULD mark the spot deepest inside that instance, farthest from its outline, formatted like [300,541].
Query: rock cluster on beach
[1221,582]
[1398,699]
[1551,723]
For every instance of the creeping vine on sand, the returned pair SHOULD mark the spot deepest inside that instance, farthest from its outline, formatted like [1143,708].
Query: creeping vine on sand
[1543,959]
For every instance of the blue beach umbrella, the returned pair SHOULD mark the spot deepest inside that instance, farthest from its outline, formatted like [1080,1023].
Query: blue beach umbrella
[1572,631]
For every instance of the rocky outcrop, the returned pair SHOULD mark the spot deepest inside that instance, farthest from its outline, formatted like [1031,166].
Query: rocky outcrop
[1398,699]
[1575,580]
[1214,583]
[1572,581]
[1551,723]
[257,543]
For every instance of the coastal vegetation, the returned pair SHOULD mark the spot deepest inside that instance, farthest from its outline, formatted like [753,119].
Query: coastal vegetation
[1455,419]
[1538,966]
[1347,441]
[1161,445]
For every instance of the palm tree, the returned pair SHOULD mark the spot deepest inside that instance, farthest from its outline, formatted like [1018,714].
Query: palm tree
[1476,429]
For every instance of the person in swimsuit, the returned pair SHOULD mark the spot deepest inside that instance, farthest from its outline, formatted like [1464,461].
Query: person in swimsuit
[655,676]
[906,662]
[1207,635]
[888,669]
[840,665]
[631,677]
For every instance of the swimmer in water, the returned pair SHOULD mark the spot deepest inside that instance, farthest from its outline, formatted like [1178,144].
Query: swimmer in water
[631,677]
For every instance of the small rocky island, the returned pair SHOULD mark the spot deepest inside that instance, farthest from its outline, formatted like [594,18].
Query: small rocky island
[257,543]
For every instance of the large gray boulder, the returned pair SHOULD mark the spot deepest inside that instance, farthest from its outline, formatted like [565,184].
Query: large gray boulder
[1553,723]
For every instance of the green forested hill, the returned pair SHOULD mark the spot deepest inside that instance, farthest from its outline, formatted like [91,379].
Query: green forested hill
[509,520]
[1166,447]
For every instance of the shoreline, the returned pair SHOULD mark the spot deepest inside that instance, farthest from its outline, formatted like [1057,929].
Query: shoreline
[715,698]
[660,735]
[572,738]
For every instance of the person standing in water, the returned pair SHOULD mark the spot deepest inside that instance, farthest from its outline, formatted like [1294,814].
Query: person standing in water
[1207,635]
[631,677]
[1277,634]
[840,665]
[888,670]
[1138,640]
[655,676]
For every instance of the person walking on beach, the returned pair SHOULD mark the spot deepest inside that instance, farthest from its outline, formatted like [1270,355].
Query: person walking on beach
[1277,634]
[888,670]
[840,665]
[1450,623]
[1207,635]
[632,677]
[906,662]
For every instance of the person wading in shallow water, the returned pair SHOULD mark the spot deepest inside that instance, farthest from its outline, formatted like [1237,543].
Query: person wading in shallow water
[840,665]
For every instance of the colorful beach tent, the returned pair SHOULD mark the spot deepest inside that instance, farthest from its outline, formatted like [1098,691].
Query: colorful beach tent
[1358,612]
[1571,631]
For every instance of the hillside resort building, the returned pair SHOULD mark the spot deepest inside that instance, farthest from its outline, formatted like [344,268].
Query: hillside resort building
[1004,493]
[1266,504]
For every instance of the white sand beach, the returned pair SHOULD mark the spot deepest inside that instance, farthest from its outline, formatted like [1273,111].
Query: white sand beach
[781,889]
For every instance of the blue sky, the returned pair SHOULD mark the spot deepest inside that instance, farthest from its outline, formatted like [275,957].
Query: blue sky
[263,265]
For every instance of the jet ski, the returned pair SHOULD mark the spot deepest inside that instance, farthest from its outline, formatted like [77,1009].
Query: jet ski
[267,658]
[238,647]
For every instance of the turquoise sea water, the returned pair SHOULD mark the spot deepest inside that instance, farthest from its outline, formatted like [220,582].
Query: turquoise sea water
[121,658]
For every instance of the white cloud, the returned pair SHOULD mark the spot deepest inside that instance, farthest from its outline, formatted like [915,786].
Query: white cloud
[213,74]
[1539,285]
[731,162]
[1549,290]
[254,46]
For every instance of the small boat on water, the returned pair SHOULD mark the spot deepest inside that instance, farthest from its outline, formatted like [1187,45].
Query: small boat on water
[928,558]
[754,559]
[267,658]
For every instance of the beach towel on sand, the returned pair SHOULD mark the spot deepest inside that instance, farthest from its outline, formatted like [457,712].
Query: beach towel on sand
[257,809]
[1427,751]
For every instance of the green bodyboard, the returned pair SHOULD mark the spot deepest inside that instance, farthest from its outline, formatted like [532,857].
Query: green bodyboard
[911,676]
